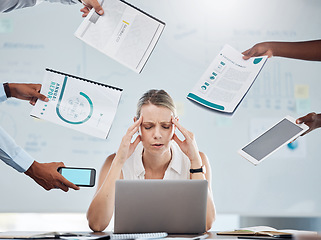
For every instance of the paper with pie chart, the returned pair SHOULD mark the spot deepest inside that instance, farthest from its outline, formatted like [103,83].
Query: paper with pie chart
[81,104]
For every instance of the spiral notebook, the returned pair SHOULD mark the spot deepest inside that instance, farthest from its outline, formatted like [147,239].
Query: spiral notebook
[78,103]
[124,33]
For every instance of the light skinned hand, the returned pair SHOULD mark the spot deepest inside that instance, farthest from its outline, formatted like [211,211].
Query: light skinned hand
[127,147]
[47,176]
[88,5]
[188,146]
[312,120]
[29,92]
[259,49]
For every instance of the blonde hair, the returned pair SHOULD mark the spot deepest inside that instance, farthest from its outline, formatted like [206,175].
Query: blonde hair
[157,98]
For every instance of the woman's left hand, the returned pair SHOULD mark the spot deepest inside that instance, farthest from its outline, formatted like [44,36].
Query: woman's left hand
[188,146]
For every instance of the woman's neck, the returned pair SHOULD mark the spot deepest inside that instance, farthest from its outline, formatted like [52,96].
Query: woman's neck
[156,164]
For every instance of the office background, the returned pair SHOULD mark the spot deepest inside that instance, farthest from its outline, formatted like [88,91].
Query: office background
[284,185]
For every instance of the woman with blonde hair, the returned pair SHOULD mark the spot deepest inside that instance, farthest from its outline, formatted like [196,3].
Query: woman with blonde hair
[156,153]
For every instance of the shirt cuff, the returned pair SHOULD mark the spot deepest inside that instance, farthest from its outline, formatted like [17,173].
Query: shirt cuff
[3,96]
[23,160]
[61,1]
[39,1]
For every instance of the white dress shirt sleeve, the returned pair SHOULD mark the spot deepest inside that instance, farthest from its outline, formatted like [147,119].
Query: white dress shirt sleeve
[3,96]
[9,5]
[12,154]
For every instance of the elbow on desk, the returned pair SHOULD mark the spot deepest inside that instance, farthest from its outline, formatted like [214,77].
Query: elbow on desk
[95,224]
[209,221]
[209,226]
[96,227]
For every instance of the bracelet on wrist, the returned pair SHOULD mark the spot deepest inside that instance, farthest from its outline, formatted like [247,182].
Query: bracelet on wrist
[202,169]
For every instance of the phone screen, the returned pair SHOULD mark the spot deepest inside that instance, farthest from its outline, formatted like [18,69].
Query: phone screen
[82,177]
[272,139]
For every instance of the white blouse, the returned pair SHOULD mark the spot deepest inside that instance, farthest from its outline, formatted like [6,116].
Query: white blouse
[178,168]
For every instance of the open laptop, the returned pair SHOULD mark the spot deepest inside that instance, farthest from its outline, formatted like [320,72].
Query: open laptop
[172,206]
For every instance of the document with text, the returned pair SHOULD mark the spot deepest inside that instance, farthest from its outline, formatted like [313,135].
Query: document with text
[78,103]
[123,32]
[227,80]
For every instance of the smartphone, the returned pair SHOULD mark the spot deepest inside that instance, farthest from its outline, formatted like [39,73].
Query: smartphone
[82,177]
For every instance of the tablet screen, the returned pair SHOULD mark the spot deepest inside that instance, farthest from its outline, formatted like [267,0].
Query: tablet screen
[272,139]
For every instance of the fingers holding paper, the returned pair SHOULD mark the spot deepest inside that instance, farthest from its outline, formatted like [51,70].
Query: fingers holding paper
[89,4]
[259,49]
[30,92]
[85,10]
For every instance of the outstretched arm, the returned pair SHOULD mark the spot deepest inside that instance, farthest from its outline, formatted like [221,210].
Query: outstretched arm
[10,5]
[307,50]
[47,176]
[23,91]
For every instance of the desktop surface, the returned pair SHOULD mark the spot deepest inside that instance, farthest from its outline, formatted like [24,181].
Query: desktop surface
[104,235]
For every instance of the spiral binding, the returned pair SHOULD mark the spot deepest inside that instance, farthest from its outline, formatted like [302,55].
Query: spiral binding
[83,79]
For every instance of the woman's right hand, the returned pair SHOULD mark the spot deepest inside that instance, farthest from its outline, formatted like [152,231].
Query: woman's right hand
[127,147]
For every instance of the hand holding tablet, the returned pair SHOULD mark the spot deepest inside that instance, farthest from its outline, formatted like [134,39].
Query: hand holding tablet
[271,140]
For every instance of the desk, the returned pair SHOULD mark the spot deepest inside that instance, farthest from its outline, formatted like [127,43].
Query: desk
[212,235]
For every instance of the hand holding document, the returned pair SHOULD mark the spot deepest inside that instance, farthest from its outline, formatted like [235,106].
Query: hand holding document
[78,103]
[226,81]
[123,32]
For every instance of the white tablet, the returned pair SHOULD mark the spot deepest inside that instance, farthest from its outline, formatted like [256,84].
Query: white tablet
[271,140]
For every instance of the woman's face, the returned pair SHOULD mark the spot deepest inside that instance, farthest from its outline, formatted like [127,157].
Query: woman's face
[156,129]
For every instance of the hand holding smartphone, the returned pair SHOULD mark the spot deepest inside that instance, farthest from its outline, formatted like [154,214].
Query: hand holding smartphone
[82,177]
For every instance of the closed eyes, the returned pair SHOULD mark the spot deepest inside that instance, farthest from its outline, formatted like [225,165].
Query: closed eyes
[165,126]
